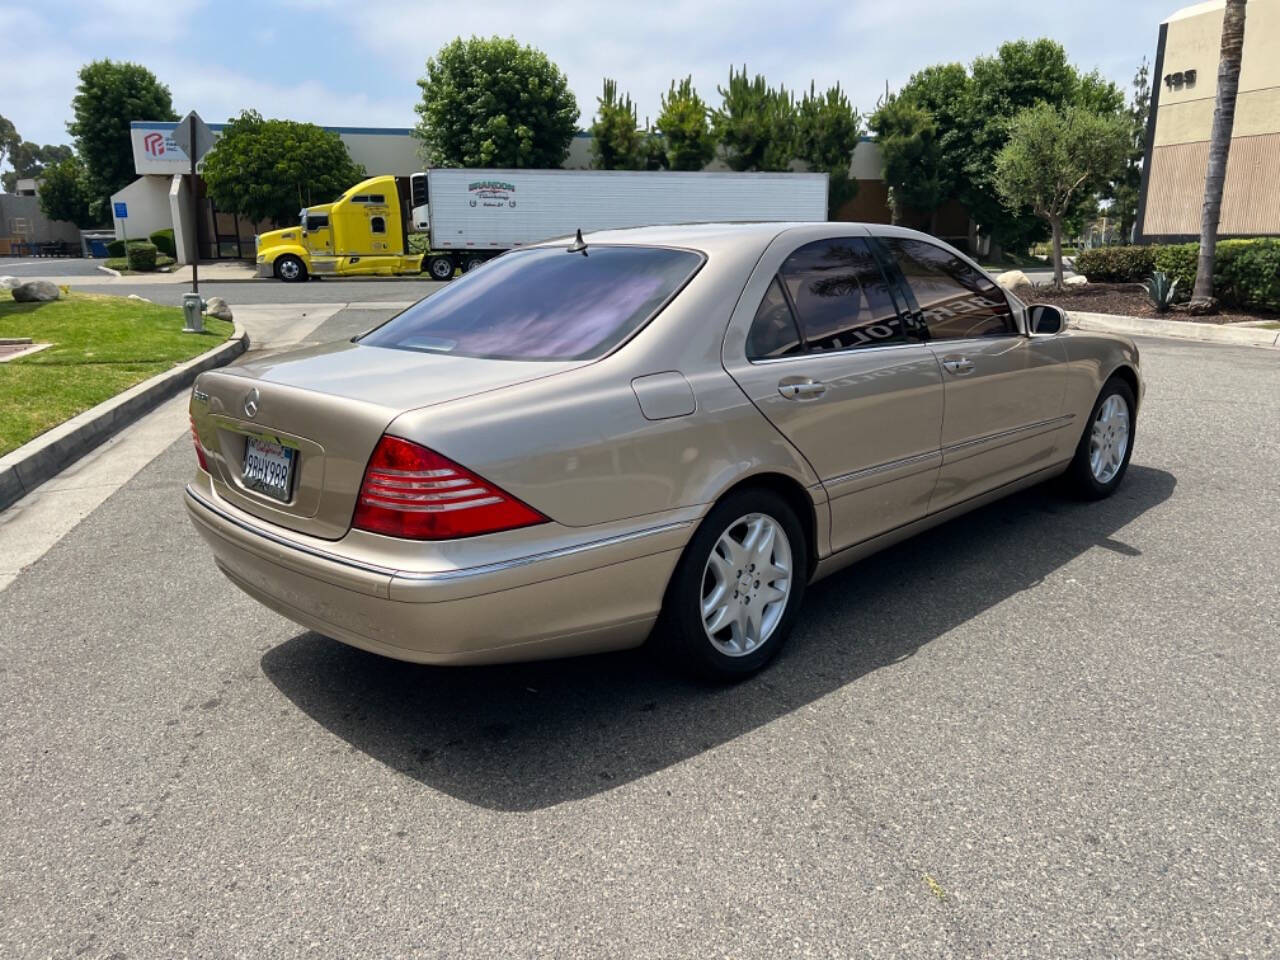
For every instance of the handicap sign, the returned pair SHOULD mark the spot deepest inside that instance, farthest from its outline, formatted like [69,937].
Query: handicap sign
[121,211]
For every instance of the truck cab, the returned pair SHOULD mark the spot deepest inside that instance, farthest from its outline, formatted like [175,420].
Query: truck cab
[362,233]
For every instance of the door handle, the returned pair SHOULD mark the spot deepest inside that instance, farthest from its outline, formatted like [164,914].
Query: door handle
[958,365]
[801,388]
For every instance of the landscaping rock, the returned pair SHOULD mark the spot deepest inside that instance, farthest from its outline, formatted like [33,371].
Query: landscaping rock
[36,291]
[217,307]
[1079,280]
[1013,278]
[8,283]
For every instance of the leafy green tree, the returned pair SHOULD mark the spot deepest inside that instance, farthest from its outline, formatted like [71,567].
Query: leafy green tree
[653,149]
[755,124]
[64,193]
[683,124]
[270,169]
[1125,188]
[617,142]
[827,133]
[109,97]
[494,103]
[911,155]
[1052,156]
[29,160]
[973,110]
[9,139]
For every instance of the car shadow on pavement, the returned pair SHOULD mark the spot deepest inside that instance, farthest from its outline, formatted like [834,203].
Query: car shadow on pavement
[526,736]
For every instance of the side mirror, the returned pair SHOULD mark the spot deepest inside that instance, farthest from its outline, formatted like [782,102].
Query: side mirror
[1045,319]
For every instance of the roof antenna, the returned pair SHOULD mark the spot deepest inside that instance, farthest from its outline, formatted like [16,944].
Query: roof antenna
[579,245]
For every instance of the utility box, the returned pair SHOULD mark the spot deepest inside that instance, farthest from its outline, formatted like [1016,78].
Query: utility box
[192,313]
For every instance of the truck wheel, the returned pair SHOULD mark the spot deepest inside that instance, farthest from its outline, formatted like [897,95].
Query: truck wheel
[471,263]
[290,269]
[440,268]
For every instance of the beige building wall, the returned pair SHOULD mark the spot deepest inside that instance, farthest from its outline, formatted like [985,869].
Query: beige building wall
[1184,118]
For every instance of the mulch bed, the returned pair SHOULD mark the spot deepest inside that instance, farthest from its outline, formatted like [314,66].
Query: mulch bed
[1127,299]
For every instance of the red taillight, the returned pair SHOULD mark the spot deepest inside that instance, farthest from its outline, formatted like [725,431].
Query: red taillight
[195,438]
[414,493]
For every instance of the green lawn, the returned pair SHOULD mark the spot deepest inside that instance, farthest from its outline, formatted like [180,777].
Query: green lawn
[101,346]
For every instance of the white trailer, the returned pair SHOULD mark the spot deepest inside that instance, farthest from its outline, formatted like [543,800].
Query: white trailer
[472,215]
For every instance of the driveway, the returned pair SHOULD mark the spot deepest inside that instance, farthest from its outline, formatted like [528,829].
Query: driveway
[1045,729]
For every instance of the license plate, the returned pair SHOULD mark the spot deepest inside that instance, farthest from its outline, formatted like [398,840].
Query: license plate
[268,468]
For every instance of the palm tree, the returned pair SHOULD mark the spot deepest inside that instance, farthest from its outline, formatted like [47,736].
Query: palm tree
[1224,114]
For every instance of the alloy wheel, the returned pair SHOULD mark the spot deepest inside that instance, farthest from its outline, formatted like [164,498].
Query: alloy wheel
[1110,439]
[746,584]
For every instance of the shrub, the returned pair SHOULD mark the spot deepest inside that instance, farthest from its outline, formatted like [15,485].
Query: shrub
[1116,264]
[142,256]
[1178,260]
[115,248]
[163,239]
[1247,273]
[419,243]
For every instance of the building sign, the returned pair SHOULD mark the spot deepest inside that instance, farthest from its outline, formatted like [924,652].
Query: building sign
[154,149]
[1183,78]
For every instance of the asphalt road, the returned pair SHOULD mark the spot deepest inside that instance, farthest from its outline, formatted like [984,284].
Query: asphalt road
[235,292]
[1046,729]
[34,267]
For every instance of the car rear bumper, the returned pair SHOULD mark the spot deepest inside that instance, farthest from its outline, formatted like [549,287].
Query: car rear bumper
[602,595]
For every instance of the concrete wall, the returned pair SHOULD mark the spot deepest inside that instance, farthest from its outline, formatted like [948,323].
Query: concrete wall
[148,201]
[22,220]
[1174,191]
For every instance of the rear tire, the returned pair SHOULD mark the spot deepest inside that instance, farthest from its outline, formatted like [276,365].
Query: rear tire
[737,590]
[472,263]
[290,269]
[1102,456]
[440,268]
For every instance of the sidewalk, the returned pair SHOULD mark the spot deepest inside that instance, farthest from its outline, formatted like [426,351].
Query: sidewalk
[1237,334]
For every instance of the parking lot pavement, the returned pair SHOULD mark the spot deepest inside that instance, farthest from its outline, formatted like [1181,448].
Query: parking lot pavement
[31,268]
[271,291]
[1045,729]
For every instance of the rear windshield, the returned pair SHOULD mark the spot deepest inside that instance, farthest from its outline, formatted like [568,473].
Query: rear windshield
[543,304]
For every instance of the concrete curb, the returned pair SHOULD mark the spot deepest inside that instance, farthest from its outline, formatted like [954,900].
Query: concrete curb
[24,469]
[1235,334]
[109,272]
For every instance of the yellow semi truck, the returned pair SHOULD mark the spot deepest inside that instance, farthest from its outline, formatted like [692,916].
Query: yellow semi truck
[365,232]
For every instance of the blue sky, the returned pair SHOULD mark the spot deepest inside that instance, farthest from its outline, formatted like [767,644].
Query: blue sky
[342,63]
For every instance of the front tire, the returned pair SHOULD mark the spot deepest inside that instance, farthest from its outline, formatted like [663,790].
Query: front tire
[736,592]
[290,269]
[1102,456]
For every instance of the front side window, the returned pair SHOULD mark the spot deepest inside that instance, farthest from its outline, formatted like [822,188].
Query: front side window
[841,297]
[956,300]
[545,303]
[317,221]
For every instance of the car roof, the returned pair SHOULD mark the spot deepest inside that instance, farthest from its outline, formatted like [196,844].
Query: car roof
[707,237]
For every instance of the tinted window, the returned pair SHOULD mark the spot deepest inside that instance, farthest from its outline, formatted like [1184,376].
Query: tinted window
[360,198]
[773,332]
[543,304]
[840,295]
[956,300]
[377,225]
[377,198]
[317,222]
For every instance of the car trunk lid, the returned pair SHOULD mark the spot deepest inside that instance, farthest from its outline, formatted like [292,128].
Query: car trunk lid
[323,410]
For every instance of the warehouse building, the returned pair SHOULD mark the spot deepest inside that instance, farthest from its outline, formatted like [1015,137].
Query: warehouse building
[1183,93]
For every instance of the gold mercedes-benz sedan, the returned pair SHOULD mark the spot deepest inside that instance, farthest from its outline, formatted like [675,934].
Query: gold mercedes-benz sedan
[663,433]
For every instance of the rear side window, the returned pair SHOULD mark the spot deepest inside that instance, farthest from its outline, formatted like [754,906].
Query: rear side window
[841,297]
[773,332]
[956,300]
[543,304]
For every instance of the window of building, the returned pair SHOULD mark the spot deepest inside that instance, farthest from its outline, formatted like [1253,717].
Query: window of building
[956,301]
